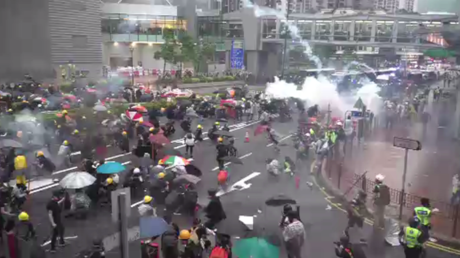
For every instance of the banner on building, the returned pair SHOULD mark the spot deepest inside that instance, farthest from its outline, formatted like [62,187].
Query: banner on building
[237,55]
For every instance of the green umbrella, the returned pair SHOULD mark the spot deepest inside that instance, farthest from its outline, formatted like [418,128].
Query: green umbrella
[255,248]
[439,52]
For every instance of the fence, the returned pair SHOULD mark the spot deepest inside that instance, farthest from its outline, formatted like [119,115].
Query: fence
[445,222]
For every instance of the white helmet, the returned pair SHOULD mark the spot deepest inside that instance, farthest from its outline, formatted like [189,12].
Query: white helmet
[379,177]
[136,171]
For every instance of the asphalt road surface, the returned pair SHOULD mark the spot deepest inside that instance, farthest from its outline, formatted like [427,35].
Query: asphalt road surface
[324,224]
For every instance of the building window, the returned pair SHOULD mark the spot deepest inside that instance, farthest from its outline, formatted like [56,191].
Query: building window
[78,5]
[79,41]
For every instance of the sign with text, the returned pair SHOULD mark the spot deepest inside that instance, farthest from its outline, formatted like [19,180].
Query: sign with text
[406,143]
[237,55]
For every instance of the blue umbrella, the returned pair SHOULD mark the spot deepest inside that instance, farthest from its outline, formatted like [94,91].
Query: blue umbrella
[110,168]
[152,226]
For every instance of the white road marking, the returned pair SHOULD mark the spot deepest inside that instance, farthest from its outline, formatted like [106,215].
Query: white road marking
[65,238]
[72,168]
[282,139]
[246,155]
[56,184]
[204,133]
[240,185]
[228,163]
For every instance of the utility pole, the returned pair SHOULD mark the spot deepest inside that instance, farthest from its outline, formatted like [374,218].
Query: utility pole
[288,11]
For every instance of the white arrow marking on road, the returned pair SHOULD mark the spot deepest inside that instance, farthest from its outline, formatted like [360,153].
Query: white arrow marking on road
[240,185]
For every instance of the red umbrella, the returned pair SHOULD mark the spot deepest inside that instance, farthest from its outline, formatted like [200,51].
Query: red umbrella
[70,97]
[159,139]
[91,90]
[133,115]
[139,108]
[147,124]
[260,129]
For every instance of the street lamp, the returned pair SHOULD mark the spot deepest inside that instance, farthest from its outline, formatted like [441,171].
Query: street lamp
[131,49]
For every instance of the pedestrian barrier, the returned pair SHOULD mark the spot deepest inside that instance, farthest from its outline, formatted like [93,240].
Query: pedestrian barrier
[445,222]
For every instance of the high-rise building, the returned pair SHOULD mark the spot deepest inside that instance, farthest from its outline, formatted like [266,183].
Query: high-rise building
[392,6]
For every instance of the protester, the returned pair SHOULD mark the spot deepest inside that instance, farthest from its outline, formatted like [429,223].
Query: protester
[294,235]
[55,217]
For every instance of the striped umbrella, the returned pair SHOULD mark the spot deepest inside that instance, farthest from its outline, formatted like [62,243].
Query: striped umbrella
[133,115]
[174,161]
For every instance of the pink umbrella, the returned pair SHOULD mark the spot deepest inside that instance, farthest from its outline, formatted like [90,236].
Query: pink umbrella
[260,129]
[159,139]
[139,108]
[133,115]
[91,90]
[70,97]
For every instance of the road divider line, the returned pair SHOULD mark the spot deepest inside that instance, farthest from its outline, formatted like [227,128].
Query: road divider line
[43,188]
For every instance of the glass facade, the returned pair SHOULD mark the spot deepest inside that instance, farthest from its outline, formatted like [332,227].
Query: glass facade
[215,28]
[127,28]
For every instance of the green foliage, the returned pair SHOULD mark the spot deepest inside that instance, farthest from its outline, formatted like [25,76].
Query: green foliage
[195,80]
[324,52]
[66,87]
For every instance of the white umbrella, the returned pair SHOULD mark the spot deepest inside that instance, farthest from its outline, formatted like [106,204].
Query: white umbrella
[77,180]
[100,108]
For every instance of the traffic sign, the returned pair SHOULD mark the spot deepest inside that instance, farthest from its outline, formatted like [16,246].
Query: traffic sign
[407,143]
[115,206]
[237,55]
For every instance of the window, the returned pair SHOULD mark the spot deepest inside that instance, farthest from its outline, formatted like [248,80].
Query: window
[78,5]
[79,41]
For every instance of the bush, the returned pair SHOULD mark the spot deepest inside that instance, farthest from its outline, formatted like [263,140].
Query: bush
[187,80]
[195,80]
[209,79]
[66,87]
[229,78]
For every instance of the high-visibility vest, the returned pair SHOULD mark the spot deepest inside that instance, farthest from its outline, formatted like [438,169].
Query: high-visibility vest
[312,132]
[423,214]
[411,236]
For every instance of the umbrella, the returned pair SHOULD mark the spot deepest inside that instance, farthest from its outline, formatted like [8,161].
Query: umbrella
[138,108]
[170,151]
[180,170]
[77,180]
[191,113]
[70,97]
[255,248]
[100,108]
[133,115]
[152,226]
[193,170]
[232,159]
[159,139]
[3,94]
[223,133]
[10,143]
[260,129]
[110,168]
[185,179]
[279,200]
[174,161]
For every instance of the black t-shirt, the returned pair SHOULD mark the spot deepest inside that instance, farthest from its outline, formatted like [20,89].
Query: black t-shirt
[55,208]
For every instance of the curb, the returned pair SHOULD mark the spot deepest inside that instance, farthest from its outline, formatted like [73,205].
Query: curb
[446,243]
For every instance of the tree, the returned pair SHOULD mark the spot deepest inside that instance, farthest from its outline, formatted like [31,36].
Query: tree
[324,52]
[168,49]
[205,53]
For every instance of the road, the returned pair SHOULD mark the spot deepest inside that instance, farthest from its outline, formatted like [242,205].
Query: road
[324,223]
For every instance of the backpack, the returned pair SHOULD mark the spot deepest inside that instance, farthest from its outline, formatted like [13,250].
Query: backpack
[169,239]
[384,195]
[20,162]
[218,252]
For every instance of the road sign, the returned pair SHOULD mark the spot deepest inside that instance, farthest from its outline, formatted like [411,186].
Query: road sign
[237,55]
[406,143]
[113,241]
[359,104]
[115,208]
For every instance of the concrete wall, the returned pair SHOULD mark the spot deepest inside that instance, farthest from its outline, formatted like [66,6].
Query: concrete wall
[24,44]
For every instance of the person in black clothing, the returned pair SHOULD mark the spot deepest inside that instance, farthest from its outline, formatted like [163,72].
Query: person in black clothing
[214,211]
[55,217]
[221,153]
[345,249]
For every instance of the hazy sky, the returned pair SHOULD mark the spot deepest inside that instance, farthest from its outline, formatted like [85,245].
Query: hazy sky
[451,6]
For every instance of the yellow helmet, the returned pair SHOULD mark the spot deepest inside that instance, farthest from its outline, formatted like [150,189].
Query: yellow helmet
[64,112]
[151,129]
[76,131]
[199,127]
[184,234]
[10,110]
[162,109]
[23,216]
[109,112]
[217,123]
[124,133]
[147,199]
[66,142]
[220,139]
[161,175]
[141,121]
[109,181]
[40,153]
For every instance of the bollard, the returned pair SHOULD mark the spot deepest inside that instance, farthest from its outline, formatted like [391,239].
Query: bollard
[340,175]
[297,182]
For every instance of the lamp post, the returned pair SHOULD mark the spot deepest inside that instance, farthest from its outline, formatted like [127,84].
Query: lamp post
[131,49]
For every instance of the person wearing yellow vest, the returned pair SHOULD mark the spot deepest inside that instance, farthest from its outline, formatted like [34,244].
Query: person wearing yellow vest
[423,215]
[412,239]
[20,166]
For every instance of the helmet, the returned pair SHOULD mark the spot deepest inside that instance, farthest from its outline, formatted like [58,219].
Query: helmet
[162,109]
[161,175]
[136,171]
[199,127]
[151,129]
[184,234]
[23,216]
[124,133]
[217,123]
[379,177]
[147,199]
[141,121]
[109,181]
[64,112]
[220,139]
[83,117]
[109,112]
[10,110]
[40,153]
[66,143]
[76,131]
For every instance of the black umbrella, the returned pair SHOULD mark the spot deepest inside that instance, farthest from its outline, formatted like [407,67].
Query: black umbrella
[233,160]
[8,143]
[279,200]
[186,179]
[223,133]
[193,170]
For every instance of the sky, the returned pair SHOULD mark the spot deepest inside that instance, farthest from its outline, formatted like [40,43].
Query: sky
[451,6]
